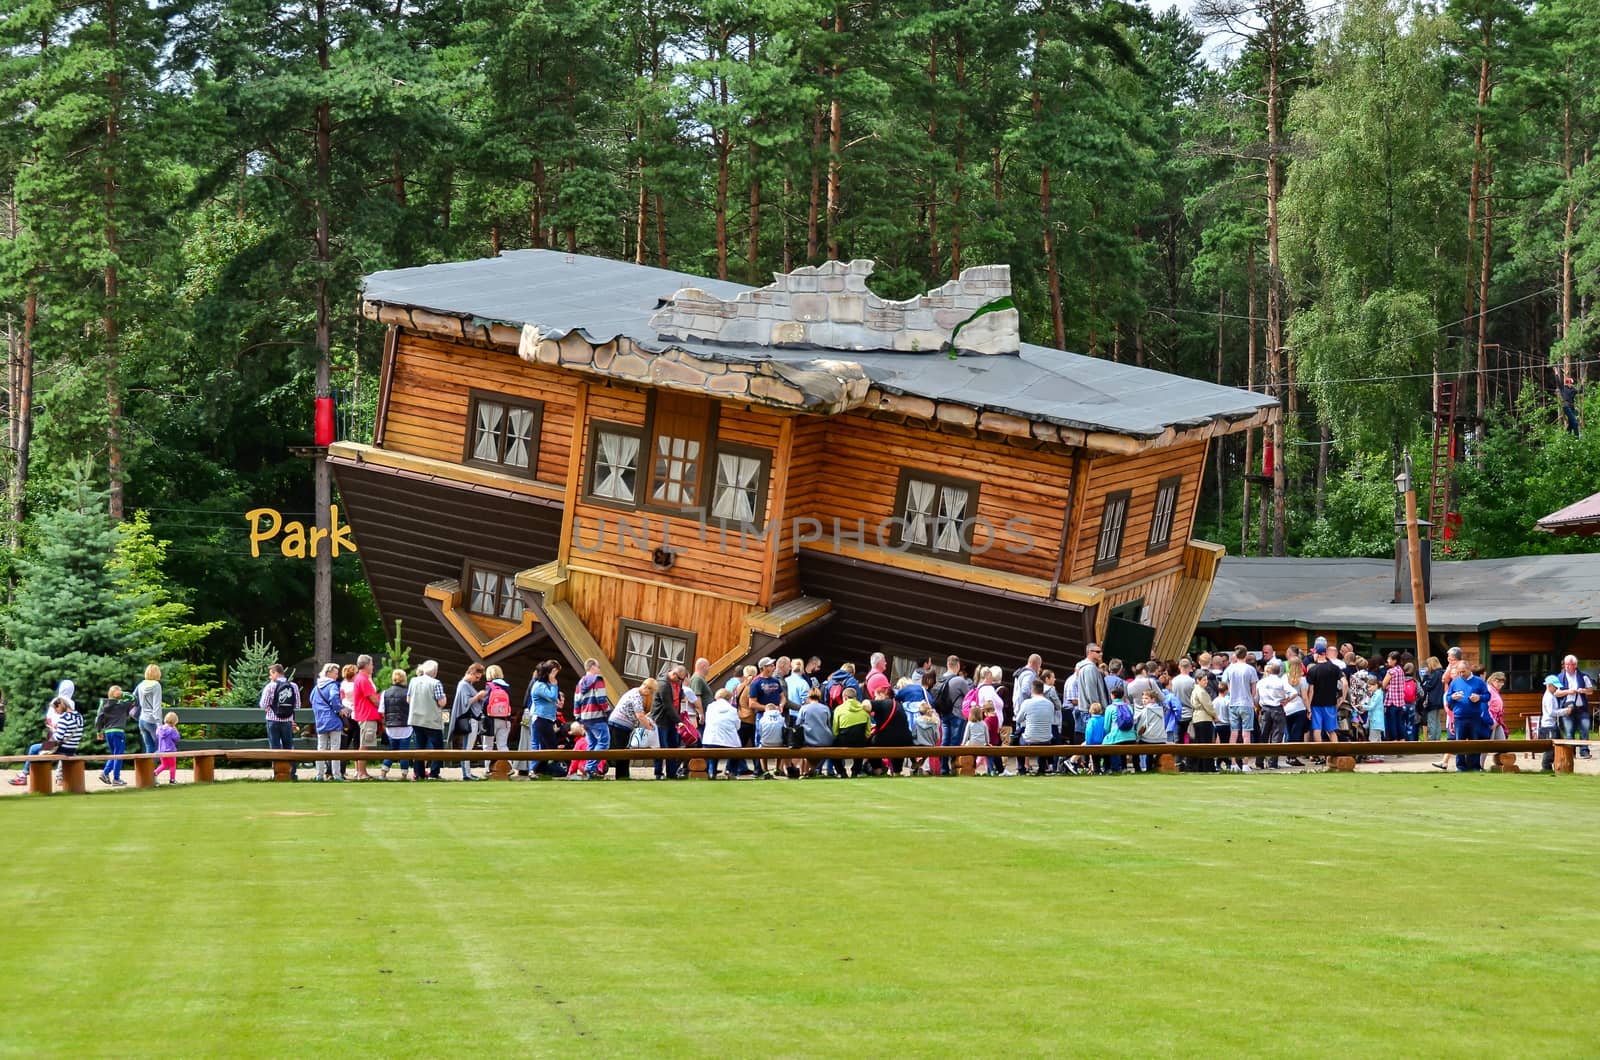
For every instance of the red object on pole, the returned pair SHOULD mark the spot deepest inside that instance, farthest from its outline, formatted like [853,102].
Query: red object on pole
[324,425]
[1266,458]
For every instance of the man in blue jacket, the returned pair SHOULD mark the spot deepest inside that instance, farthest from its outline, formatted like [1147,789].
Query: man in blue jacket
[1468,699]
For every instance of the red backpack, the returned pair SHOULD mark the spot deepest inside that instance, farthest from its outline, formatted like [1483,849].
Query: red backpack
[499,701]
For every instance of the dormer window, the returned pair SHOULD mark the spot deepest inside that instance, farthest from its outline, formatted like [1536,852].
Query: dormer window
[680,428]
[491,592]
[503,433]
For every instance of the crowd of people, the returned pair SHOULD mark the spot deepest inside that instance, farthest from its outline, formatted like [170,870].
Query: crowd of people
[1243,697]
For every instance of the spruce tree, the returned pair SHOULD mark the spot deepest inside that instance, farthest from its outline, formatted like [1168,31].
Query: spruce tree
[70,619]
[249,672]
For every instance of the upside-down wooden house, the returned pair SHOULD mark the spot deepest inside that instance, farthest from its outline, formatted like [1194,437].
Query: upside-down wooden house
[575,457]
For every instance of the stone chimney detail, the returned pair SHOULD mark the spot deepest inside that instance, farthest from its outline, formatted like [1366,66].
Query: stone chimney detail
[828,307]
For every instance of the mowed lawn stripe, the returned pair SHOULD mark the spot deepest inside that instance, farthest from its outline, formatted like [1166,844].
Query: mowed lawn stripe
[1320,914]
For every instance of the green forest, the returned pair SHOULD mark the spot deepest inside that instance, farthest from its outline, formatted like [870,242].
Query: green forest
[1345,205]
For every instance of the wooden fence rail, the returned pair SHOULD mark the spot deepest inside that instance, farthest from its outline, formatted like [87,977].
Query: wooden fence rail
[1340,755]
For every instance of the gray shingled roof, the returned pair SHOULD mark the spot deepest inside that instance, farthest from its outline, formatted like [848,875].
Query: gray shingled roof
[604,299]
[1324,595]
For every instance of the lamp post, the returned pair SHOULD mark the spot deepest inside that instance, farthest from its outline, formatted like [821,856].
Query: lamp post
[1407,489]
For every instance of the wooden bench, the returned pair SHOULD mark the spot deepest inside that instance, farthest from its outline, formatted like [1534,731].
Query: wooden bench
[74,772]
[1566,753]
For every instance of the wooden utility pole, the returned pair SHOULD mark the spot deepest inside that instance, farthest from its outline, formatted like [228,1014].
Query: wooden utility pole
[1419,601]
[322,591]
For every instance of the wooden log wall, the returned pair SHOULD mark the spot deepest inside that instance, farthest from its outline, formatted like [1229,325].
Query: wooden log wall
[1157,593]
[728,563]
[1140,474]
[600,602]
[426,414]
[850,470]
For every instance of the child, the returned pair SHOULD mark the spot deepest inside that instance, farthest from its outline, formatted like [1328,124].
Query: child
[1377,720]
[977,735]
[1094,734]
[924,733]
[580,742]
[167,746]
[1551,713]
[69,728]
[1149,723]
[1121,727]
[991,718]
[112,723]
[769,733]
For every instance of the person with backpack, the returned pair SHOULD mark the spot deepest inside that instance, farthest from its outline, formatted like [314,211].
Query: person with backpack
[327,712]
[466,714]
[948,694]
[366,709]
[841,681]
[593,707]
[497,710]
[1121,727]
[280,698]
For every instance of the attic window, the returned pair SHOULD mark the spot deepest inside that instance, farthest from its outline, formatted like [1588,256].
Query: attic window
[934,513]
[1161,517]
[503,433]
[1113,519]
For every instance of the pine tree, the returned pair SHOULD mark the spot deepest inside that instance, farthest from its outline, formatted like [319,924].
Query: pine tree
[163,618]
[71,619]
[249,673]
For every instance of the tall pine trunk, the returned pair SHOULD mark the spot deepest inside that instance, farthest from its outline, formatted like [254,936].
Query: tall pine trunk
[835,136]
[1474,193]
[108,319]
[961,155]
[1566,230]
[933,139]
[814,212]
[1249,384]
[22,416]
[1275,374]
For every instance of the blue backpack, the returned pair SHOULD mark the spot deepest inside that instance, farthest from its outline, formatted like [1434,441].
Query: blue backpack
[1124,718]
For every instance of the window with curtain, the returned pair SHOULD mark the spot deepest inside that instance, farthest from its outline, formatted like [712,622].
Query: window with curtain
[614,463]
[935,513]
[503,433]
[492,593]
[680,429]
[739,495]
[648,650]
[1112,520]
[1161,517]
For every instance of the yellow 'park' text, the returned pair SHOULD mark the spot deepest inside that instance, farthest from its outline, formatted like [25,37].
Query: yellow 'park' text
[299,541]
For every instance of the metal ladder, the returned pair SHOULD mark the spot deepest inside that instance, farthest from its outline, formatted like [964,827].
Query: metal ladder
[1444,457]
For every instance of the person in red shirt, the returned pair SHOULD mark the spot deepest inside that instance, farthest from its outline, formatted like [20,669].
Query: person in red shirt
[368,710]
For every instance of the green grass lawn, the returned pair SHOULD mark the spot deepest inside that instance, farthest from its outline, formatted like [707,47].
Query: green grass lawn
[1328,914]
